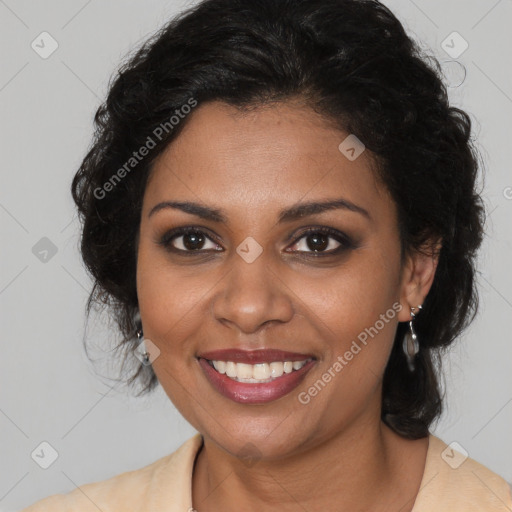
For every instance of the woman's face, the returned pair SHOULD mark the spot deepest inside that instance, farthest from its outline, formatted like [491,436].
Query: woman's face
[257,280]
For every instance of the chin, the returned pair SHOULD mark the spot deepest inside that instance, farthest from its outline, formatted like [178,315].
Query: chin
[260,438]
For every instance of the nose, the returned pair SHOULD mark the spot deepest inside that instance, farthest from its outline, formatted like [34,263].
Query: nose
[252,295]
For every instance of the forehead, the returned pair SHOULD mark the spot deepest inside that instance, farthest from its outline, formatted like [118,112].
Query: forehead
[260,160]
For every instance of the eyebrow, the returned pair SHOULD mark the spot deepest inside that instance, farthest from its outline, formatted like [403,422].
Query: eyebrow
[290,214]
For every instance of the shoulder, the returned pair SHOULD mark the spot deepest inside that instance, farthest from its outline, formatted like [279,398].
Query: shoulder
[132,490]
[454,482]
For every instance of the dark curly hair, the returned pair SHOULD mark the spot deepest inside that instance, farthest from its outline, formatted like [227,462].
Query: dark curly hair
[352,62]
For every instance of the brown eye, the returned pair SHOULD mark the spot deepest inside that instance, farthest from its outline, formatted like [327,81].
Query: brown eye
[192,241]
[320,241]
[188,240]
[317,242]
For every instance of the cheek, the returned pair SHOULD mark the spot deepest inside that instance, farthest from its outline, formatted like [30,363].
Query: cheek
[170,301]
[357,314]
[355,295]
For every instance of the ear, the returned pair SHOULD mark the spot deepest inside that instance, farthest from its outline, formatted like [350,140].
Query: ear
[417,277]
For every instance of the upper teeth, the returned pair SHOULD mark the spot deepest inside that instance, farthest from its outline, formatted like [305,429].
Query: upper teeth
[260,372]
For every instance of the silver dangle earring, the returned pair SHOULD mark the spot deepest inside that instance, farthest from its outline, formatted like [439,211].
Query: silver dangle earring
[140,352]
[410,344]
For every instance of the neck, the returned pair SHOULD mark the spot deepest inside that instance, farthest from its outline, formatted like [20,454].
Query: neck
[361,468]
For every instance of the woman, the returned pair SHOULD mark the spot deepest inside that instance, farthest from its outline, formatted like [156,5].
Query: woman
[280,210]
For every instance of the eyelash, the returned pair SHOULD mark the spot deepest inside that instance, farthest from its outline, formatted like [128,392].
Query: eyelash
[344,241]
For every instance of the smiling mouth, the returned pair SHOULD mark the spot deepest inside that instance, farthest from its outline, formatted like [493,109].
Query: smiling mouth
[256,373]
[255,376]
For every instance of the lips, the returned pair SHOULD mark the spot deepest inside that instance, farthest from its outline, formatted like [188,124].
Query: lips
[253,391]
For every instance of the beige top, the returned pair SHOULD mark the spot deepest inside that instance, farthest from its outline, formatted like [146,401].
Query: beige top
[450,483]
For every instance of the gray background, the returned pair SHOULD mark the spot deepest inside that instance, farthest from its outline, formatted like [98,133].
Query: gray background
[49,391]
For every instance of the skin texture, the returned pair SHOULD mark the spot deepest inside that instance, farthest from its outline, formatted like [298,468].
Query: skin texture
[335,449]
